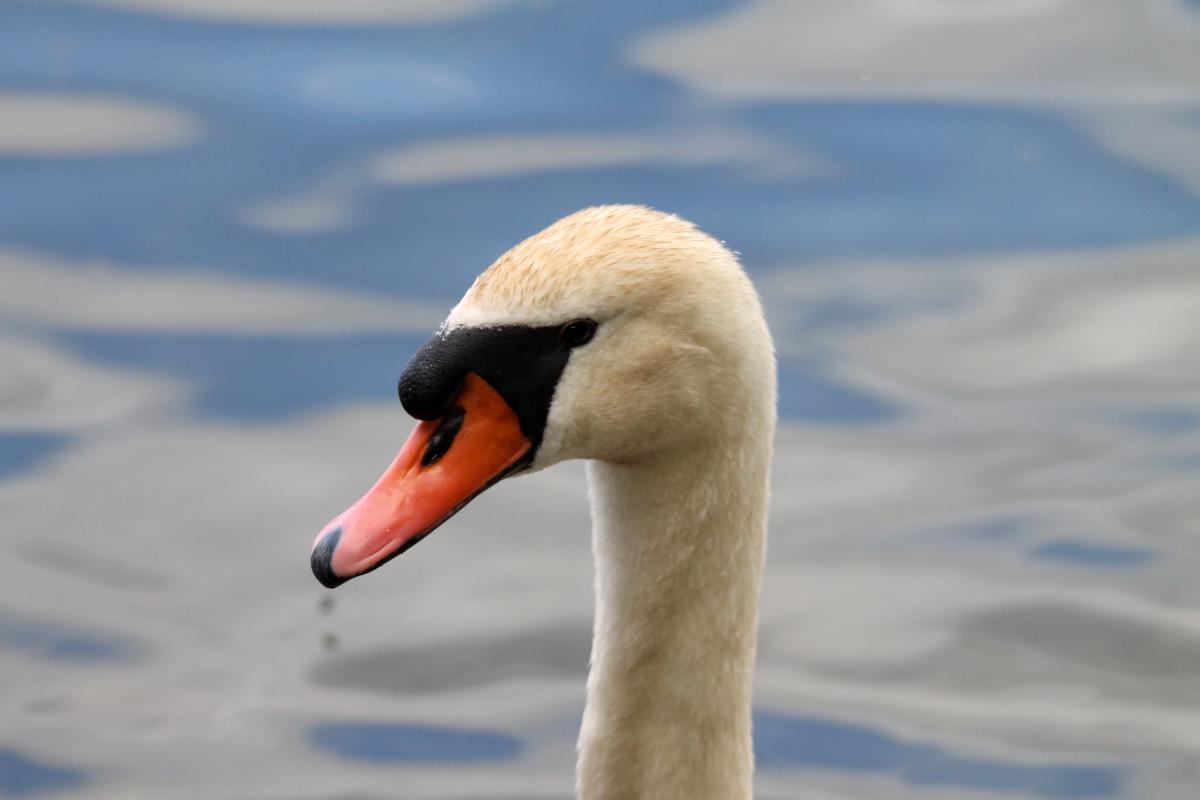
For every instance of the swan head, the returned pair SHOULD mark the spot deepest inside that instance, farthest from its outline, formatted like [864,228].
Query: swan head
[619,333]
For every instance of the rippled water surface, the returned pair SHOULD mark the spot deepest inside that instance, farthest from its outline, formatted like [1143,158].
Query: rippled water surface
[224,227]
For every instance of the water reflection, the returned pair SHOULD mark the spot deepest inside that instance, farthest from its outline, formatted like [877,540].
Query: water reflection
[22,776]
[263,376]
[791,741]
[546,652]
[808,392]
[48,124]
[61,642]
[389,742]
[1092,554]
[23,451]
[223,230]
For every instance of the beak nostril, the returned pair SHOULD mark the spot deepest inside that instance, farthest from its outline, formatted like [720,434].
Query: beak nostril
[443,437]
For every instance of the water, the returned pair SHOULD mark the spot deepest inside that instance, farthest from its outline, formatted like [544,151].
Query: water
[224,228]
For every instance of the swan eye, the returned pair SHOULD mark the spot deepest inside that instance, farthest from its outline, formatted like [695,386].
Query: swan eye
[578,332]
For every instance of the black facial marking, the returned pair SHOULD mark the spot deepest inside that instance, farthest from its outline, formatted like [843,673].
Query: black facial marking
[443,437]
[522,363]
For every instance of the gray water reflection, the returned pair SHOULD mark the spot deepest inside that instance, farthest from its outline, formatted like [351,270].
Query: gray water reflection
[224,227]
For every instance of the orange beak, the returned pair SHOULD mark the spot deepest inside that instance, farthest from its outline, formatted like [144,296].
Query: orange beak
[444,464]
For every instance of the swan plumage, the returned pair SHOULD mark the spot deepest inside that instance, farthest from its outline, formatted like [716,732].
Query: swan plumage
[671,399]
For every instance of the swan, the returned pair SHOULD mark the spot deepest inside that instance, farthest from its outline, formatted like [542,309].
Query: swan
[629,338]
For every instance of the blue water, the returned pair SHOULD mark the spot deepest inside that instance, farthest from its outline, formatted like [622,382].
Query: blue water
[21,776]
[1092,554]
[394,742]
[63,642]
[21,451]
[984,301]
[783,740]
[912,177]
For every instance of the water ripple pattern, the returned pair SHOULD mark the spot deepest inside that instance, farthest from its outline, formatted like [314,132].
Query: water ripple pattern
[224,228]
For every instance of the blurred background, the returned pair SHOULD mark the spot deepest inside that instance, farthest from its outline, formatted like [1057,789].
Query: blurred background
[225,225]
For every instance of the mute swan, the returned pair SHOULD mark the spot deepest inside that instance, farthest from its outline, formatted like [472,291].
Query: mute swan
[632,339]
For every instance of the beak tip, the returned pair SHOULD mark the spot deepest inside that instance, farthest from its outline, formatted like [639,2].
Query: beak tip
[322,560]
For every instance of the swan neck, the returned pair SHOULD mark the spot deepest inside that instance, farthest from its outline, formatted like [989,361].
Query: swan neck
[679,545]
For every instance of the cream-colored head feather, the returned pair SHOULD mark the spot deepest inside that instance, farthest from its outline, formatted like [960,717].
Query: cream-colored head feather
[595,261]
[680,332]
